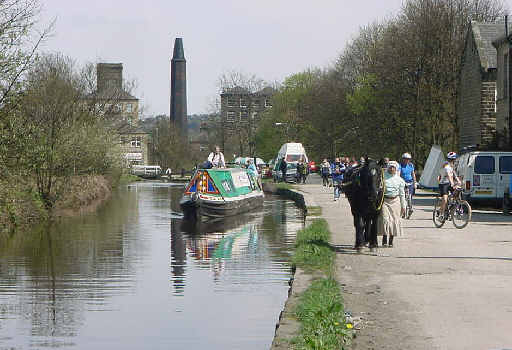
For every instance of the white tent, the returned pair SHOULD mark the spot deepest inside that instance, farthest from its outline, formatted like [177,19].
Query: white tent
[431,170]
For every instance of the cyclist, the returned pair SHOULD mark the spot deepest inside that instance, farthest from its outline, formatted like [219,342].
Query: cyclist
[448,180]
[408,174]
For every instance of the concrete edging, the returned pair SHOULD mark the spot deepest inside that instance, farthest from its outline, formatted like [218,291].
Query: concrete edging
[288,326]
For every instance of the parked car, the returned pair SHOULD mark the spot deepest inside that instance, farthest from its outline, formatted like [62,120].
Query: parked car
[313,168]
[291,172]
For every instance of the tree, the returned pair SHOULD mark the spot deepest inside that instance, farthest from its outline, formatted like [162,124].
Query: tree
[55,134]
[19,40]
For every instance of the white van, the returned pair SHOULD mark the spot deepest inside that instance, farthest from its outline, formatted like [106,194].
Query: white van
[292,152]
[485,175]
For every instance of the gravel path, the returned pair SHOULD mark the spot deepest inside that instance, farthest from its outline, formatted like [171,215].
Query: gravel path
[436,289]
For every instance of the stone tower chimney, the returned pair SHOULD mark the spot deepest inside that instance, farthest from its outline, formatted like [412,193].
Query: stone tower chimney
[109,76]
[178,111]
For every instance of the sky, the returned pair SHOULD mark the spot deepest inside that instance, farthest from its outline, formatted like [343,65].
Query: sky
[271,39]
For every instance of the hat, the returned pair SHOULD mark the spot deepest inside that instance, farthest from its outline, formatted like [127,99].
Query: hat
[393,164]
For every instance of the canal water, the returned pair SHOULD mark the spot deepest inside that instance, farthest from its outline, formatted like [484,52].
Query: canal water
[134,275]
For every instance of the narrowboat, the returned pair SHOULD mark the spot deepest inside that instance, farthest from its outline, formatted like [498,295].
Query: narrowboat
[218,193]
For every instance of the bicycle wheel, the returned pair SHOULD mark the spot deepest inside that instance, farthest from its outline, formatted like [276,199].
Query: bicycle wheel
[435,214]
[461,214]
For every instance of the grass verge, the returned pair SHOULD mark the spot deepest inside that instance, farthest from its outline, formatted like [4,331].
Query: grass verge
[321,314]
[313,251]
[320,308]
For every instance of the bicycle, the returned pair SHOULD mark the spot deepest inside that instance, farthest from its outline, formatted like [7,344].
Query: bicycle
[457,210]
[408,201]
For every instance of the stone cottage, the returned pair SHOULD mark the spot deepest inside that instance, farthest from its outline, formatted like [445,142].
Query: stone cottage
[503,47]
[476,101]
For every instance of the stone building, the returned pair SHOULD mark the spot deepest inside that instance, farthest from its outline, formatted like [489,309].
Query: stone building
[241,112]
[122,110]
[476,102]
[503,47]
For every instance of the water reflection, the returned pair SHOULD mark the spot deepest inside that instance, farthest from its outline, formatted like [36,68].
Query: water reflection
[66,284]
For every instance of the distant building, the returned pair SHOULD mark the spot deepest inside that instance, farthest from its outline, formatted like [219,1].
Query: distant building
[123,111]
[476,101]
[241,111]
[504,101]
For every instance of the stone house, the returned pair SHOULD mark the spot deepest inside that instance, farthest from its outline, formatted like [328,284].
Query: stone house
[123,111]
[503,47]
[476,101]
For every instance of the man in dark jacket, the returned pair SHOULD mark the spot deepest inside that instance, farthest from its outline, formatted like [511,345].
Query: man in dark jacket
[283,167]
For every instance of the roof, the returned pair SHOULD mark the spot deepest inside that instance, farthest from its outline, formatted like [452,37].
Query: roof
[112,94]
[238,90]
[178,53]
[123,127]
[484,34]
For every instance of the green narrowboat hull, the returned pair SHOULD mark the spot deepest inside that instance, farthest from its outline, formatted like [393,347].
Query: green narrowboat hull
[218,193]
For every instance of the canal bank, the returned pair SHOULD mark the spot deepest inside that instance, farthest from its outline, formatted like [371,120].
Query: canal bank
[313,314]
[21,207]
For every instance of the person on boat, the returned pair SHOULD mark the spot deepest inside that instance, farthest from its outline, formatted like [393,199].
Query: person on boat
[216,158]
[251,167]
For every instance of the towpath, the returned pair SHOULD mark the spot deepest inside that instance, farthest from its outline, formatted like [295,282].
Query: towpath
[436,289]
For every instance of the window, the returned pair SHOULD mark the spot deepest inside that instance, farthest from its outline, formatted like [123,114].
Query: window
[135,142]
[256,103]
[231,102]
[129,108]
[243,103]
[230,116]
[506,165]
[484,165]
[268,103]
[244,114]
[117,108]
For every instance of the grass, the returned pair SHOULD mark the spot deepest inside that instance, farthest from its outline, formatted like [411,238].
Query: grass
[313,251]
[127,178]
[320,308]
[321,314]
[314,211]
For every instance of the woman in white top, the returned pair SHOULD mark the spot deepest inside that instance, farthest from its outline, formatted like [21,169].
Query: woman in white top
[217,158]
[394,205]
[447,181]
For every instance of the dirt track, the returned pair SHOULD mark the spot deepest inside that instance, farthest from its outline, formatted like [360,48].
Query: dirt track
[436,289]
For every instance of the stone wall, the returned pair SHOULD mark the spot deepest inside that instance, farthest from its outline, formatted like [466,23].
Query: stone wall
[502,116]
[470,97]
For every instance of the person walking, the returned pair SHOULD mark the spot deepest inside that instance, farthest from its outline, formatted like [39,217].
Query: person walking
[393,208]
[325,170]
[168,172]
[338,168]
[283,166]
[301,172]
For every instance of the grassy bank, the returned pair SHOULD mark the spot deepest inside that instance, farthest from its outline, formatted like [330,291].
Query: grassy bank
[320,308]
[21,206]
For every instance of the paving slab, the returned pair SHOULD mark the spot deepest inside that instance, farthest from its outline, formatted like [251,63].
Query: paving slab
[436,289]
